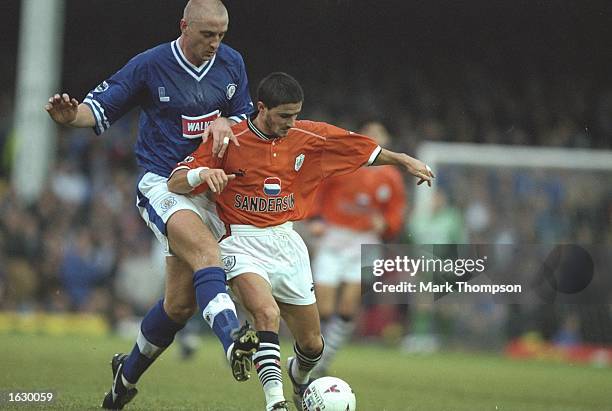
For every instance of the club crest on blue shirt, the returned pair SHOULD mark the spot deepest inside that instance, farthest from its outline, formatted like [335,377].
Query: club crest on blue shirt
[272,186]
[101,87]
[299,160]
[230,90]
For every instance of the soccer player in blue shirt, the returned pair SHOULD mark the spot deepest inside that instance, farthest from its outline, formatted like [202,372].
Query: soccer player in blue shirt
[190,89]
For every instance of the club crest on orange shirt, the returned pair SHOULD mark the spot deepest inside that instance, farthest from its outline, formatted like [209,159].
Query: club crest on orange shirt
[272,186]
[299,160]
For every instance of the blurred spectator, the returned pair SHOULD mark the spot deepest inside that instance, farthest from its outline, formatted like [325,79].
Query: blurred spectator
[69,184]
[79,272]
[140,278]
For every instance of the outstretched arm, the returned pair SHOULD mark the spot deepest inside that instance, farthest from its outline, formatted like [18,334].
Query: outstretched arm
[183,181]
[412,165]
[68,112]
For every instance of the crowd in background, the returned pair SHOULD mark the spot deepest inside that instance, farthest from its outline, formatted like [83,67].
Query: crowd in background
[82,246]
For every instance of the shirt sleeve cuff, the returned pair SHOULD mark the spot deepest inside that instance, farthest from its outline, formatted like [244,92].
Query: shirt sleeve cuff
[374,155]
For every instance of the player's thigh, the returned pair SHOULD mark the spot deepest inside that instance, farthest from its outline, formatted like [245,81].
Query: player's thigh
[349,299]
[190,221]
[303,322]
[179,296]
[255,294]
[326,299]
[191,240]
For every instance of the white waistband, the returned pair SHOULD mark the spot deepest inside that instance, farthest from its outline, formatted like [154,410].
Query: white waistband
[243,229]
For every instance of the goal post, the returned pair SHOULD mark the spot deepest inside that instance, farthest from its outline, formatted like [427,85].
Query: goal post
[439,154]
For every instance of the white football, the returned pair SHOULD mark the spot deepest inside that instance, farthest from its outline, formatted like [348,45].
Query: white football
[328,394]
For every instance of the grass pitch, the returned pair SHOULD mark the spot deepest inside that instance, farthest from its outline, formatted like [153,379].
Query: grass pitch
[77,370]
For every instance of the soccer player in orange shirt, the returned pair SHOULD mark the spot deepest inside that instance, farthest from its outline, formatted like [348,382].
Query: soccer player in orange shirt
[364,207]
[261,187]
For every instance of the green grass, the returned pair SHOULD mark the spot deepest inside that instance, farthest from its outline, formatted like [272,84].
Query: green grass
[77,370]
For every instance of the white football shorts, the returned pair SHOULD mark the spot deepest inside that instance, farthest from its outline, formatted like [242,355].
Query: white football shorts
[338,259]
[278,254]
[156,204]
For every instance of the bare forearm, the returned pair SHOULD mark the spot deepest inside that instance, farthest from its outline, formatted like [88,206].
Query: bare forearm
[178,183]
[391,158]
[412,165]
[84,117]
[184,181]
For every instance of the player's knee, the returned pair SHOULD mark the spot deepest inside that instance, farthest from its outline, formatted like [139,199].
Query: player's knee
[347,315]
[211,255]
[180,312]
[267,318]
[199,257]
[348,308]
[325,306]
[325,313]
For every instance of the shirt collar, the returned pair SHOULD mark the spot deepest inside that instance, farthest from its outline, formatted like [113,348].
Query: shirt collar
[257,131]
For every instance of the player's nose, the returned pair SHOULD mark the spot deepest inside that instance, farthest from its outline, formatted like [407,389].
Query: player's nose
[216,42]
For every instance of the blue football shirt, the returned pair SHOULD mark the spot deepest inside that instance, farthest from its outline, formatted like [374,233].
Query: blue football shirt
[177,99]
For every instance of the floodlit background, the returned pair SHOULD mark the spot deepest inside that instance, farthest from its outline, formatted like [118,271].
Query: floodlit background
[78,263]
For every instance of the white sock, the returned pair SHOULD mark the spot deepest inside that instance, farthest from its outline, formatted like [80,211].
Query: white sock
[274,393]
[267,363]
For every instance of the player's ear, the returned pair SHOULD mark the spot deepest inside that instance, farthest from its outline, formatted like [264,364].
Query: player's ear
[260,106]
[183,25]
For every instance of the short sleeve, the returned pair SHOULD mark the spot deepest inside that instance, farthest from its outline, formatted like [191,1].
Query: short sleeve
[345,151]
[118,94]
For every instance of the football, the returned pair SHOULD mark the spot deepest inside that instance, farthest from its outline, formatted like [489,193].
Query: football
[328,394]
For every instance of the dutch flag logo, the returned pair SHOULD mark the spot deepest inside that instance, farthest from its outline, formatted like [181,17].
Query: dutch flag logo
[272,186]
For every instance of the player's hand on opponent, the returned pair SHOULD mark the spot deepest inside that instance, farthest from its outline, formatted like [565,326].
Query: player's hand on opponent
[221,131]
[216,179]
[62,109]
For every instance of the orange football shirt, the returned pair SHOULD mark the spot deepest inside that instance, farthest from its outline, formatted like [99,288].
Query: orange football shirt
[278,177]
[351,200]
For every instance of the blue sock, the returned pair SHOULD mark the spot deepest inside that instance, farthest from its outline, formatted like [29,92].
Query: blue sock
[157,332]
[215,304]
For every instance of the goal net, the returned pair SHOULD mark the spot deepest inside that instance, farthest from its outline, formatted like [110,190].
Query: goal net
[493,194]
